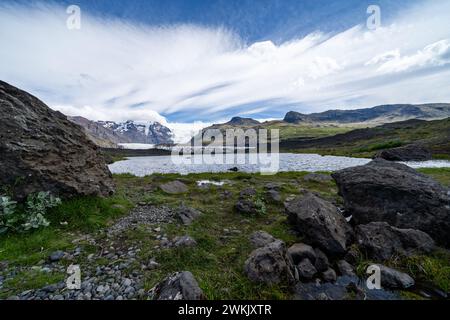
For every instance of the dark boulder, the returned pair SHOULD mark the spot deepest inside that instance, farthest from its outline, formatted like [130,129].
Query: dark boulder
[270,264]
[380,241]
[394,279]
[412,152]
[178,286]
[320,223]
[260,239]
[306,270]
[344,288]
[322,264]
[43,151]
[187,215]
[300,251]
[345,268]
[397,194]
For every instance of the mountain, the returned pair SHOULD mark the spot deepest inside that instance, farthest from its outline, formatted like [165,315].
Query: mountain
[102,136]
[378,114]
[109,134]
[238,121]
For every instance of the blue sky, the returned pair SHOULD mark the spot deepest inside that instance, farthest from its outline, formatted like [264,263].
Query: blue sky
[253,20]
[180,61]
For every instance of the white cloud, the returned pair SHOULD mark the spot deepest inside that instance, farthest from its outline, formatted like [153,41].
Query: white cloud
[115,70]
[433,55]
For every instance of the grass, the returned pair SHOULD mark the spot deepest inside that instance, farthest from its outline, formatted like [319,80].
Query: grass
[75,216]
[33,279]
[441,175]
[218,259]
[222,234]
[433,134]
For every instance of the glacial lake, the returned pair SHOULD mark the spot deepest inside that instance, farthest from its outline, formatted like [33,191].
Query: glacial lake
[142,166]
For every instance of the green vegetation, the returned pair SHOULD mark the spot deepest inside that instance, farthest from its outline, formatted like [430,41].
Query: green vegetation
[365,143]
[222,234]
[292,131]
[441,175]
[30,215]
[381,146]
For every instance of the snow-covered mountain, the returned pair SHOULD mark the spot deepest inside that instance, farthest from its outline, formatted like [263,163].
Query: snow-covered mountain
[126,132]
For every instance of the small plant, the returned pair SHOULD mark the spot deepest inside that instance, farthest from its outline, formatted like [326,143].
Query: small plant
[30,216]
[8,218]
[260,204]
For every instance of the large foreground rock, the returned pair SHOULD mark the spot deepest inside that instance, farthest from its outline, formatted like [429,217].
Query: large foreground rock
[397,194]
[43,151]
[410,152]
[270,264]
[320,222]
[380,241]
[178,286]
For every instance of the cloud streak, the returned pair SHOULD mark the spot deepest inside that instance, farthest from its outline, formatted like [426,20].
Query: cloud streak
[114,70]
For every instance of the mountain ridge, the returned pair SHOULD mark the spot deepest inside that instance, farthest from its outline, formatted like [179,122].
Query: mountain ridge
[378,114]
[110,134]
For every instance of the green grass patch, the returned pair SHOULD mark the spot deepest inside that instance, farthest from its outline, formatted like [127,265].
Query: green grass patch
[29,280]
[441,175]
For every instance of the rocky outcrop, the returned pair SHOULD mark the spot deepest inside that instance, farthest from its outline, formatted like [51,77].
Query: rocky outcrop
[412,152]
[178,286]
[270,264]
[43,151]
[380,241]
[320,222]
[396,194]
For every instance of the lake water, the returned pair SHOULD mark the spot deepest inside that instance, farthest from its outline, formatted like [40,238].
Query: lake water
[142,166]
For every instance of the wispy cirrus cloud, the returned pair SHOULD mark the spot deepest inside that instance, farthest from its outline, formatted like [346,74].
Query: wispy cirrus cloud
[117,70]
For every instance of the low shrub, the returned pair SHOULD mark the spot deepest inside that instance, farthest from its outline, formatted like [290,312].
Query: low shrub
[28,216]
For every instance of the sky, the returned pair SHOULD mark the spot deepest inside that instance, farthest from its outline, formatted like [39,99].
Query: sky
[189,63]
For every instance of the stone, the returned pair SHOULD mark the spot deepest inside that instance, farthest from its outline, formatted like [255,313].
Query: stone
[187,215]
[273,196]
[380,241]
[394,279]
[174,187]
[56,256]
[184,241]
[178,286]
[272,186]
[320,223]
[306,269]
[317,177]
[345,268]
[41,150]
[270,264]
[260,239]
[397,194]
[329,275]
[411,152]
[343,288]
[322,264]
[300,251]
